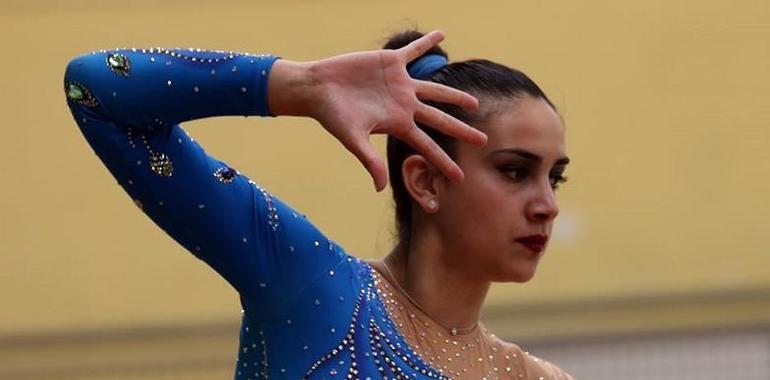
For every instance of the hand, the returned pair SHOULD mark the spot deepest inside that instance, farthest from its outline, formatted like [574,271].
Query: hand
[358,94]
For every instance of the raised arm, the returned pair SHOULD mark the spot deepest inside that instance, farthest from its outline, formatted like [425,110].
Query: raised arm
[150,88]
[128,104]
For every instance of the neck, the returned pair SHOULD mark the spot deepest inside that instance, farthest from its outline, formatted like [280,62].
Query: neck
[446,292]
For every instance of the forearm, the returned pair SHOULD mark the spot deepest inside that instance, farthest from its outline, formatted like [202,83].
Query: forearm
[145,88]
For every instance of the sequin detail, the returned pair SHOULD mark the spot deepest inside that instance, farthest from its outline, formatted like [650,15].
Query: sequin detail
[225,174]
[80,94]
[119,64]
[478,352]
[188,54]
[252,358]
[346,344]
[388,355]
[272,212]
[161,165]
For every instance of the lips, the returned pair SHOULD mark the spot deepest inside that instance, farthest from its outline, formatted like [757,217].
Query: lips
[535,243]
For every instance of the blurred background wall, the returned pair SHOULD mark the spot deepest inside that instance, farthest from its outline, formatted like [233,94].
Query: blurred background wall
[660,262]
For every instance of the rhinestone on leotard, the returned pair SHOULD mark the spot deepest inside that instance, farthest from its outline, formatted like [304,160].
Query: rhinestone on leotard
[225,174]
[80,94]
[119,64]
[161,164]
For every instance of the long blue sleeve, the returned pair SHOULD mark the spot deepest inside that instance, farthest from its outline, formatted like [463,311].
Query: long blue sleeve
[146,88]
[128,104]
[311,311]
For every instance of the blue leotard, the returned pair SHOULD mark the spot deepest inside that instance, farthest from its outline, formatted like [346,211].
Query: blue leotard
[310,309]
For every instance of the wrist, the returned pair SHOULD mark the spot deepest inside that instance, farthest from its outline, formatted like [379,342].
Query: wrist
[291,88]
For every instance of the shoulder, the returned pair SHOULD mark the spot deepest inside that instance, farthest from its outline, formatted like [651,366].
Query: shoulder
[544,370]
[533,367]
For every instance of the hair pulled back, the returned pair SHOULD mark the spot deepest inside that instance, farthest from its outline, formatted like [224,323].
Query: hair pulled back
[486,80]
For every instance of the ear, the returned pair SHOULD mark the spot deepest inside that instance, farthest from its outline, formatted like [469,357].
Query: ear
[423,181]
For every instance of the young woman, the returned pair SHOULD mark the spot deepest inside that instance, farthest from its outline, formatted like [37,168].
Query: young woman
[475,151]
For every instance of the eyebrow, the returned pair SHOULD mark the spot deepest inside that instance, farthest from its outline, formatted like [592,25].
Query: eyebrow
[530,156]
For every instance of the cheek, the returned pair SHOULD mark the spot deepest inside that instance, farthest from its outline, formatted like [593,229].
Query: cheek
[483,210]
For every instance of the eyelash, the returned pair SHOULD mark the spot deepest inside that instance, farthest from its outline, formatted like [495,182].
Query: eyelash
[556,180]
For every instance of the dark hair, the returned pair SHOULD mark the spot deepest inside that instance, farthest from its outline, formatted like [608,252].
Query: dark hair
[486,80]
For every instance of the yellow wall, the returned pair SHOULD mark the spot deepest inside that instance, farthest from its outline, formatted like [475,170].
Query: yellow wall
[667,105]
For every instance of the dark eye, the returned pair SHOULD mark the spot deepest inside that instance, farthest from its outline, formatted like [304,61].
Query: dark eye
[515,173]
[557,180]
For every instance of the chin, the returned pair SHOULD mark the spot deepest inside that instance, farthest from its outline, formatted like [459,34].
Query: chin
[518,273]
[519,267]
[522,277]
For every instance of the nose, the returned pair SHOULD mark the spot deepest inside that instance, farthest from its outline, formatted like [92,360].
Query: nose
[544,206]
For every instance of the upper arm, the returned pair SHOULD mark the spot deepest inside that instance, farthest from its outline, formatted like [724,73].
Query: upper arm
[261,246]
[198,200]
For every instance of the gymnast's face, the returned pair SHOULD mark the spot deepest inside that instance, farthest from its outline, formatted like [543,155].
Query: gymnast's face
[495,221]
